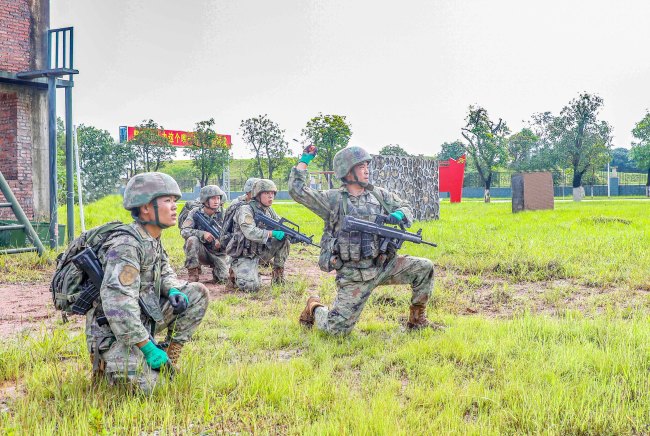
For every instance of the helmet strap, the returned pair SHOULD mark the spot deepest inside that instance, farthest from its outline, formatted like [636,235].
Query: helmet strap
[356,181]
[156,220]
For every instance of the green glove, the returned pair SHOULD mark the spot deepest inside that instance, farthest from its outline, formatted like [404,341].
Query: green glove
[308,154]
[395,217]
[306,158]
[278,234]
[178,300]
[174,291]
[154,356]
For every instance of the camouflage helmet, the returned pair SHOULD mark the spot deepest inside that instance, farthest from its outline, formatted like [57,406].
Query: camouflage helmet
[263,185]
[209,191]
[248,186]
[347,158]
[144,187]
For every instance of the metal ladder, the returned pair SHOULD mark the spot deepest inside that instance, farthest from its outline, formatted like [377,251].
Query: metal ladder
[24,225]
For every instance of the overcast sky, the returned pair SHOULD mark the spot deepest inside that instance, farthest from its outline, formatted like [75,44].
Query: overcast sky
[401,72]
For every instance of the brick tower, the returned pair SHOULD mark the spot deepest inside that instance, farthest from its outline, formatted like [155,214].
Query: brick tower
[23,105]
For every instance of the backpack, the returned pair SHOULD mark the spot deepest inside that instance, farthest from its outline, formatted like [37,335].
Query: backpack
[192,204]
[67,283]
[228,223]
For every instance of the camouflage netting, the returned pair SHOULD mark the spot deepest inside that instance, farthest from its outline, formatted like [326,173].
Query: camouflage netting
[413,178]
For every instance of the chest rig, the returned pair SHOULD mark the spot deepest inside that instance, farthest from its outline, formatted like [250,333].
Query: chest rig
[239,245]
[357,249]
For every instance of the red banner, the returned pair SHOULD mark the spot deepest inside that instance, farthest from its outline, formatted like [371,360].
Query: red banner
[177,138]
[452,173]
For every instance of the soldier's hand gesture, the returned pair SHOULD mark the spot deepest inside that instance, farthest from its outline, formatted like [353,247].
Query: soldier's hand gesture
[308,154]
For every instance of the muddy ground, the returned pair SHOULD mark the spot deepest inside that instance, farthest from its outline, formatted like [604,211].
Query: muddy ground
[26,308]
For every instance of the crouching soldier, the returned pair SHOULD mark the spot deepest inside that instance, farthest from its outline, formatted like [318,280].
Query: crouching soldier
[201,247]
[355,256]
[252,243]
[140,292]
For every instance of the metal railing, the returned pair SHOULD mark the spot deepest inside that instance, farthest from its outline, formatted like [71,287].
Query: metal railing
[560,178]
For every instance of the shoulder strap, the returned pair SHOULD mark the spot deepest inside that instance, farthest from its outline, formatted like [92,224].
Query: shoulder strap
[345,195]
[381,201]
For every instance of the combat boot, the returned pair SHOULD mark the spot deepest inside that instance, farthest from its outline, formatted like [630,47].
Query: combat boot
[418,319]
[173,351]
[307,315]
[193,274]
[277,276]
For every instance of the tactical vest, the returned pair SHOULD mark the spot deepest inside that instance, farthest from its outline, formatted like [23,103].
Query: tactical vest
[239,245]
[354,249]
[150,279]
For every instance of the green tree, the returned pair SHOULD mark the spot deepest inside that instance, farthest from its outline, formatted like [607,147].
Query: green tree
[521,146]
[393,150]
[266,140]
[487,144]
[102,161]
[208,151]
[621,159]
[579,139]
[451,150]
[640,152]
[151,149]
[330,133]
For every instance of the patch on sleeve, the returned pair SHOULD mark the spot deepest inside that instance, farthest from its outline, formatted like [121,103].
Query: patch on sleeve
[249,219]
[128,275]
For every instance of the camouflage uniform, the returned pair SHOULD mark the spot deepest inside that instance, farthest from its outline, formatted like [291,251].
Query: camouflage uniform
[238,200]
[137,272]
[251,244]
[357,275]
[198,252]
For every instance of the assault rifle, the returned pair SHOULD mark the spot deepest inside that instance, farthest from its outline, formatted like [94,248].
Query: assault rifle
[293,234]
[88,262]
[389,235]
[207,226]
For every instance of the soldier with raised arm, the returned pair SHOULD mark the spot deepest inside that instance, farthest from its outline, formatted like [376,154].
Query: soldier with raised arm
[355,256]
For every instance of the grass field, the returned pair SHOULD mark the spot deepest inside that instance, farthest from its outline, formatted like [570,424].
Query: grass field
[506,366]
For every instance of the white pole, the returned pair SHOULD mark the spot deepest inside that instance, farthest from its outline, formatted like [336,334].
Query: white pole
[79,184]
[608,180]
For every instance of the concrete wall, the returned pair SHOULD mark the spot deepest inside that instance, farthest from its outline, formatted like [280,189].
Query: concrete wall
[23,110]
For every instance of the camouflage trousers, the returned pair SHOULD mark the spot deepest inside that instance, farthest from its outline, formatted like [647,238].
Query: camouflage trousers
[126,365]
[196,254]
[352,291]
[246,269]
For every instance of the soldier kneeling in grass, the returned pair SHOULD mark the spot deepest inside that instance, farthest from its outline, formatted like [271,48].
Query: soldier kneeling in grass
[140,293]
[201,246]
[251,242]
[356,257]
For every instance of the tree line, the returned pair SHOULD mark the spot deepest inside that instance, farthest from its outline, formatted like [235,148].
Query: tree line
[574,139]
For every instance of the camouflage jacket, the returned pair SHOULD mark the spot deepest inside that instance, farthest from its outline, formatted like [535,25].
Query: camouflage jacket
[238,200]
[190,228]
[133,271]
[331,205]
[246,232]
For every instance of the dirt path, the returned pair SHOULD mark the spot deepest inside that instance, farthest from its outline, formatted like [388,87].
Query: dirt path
[28,307]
